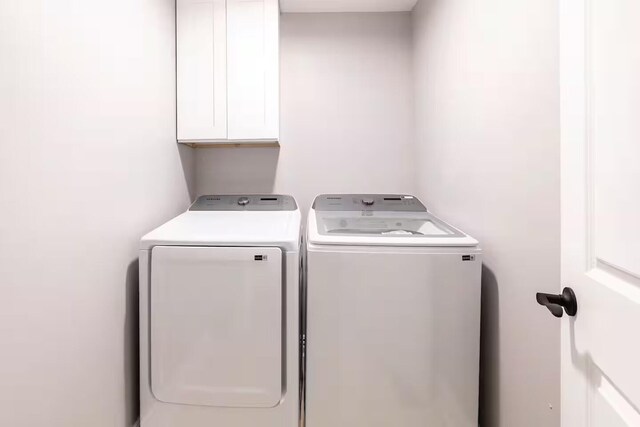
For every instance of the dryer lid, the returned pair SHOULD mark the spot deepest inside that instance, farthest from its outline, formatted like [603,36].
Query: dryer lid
[220,223]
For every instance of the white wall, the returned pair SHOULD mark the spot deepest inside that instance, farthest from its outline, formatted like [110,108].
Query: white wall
[88,163]
[487,115]
[346,113]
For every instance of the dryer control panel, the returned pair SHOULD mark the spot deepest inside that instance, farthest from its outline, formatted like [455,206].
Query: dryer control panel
[368,202]
[244,202]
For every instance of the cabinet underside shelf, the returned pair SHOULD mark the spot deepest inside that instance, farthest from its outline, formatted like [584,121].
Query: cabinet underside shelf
[231,144]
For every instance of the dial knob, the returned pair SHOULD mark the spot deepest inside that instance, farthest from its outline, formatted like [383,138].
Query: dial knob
[367,202]
[243,201]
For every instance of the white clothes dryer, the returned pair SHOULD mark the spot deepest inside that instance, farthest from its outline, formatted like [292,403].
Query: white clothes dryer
[219,315]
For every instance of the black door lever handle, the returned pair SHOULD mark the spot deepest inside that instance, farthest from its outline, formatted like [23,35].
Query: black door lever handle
[555,303]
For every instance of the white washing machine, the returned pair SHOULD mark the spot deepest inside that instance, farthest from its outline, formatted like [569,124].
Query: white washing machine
[219,315]
[393,315]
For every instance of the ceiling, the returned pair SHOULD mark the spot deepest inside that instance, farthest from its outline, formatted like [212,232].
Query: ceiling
[309,6]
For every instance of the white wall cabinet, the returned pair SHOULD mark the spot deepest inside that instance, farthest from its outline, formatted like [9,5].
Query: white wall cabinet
[227,71]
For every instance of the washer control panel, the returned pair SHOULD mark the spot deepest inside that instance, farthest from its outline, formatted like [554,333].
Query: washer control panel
[245,202]
[368,202]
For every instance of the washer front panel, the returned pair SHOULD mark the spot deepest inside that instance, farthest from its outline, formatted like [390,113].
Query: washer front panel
[392,337]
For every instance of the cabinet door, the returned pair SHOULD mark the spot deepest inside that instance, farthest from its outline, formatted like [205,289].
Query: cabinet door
[201,69]
[253,69]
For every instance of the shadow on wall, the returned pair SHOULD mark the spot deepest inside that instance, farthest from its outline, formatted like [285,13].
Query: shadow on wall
[187,159]
[131,346]
[236,170]
[489,350]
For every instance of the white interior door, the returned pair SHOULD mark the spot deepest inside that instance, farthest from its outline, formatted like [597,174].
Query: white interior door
[216,326]
[600,117]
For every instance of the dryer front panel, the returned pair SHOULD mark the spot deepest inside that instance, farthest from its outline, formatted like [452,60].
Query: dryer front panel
[216,325]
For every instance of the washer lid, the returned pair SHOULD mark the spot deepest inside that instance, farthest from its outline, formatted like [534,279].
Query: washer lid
[382,220]
[350,223]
